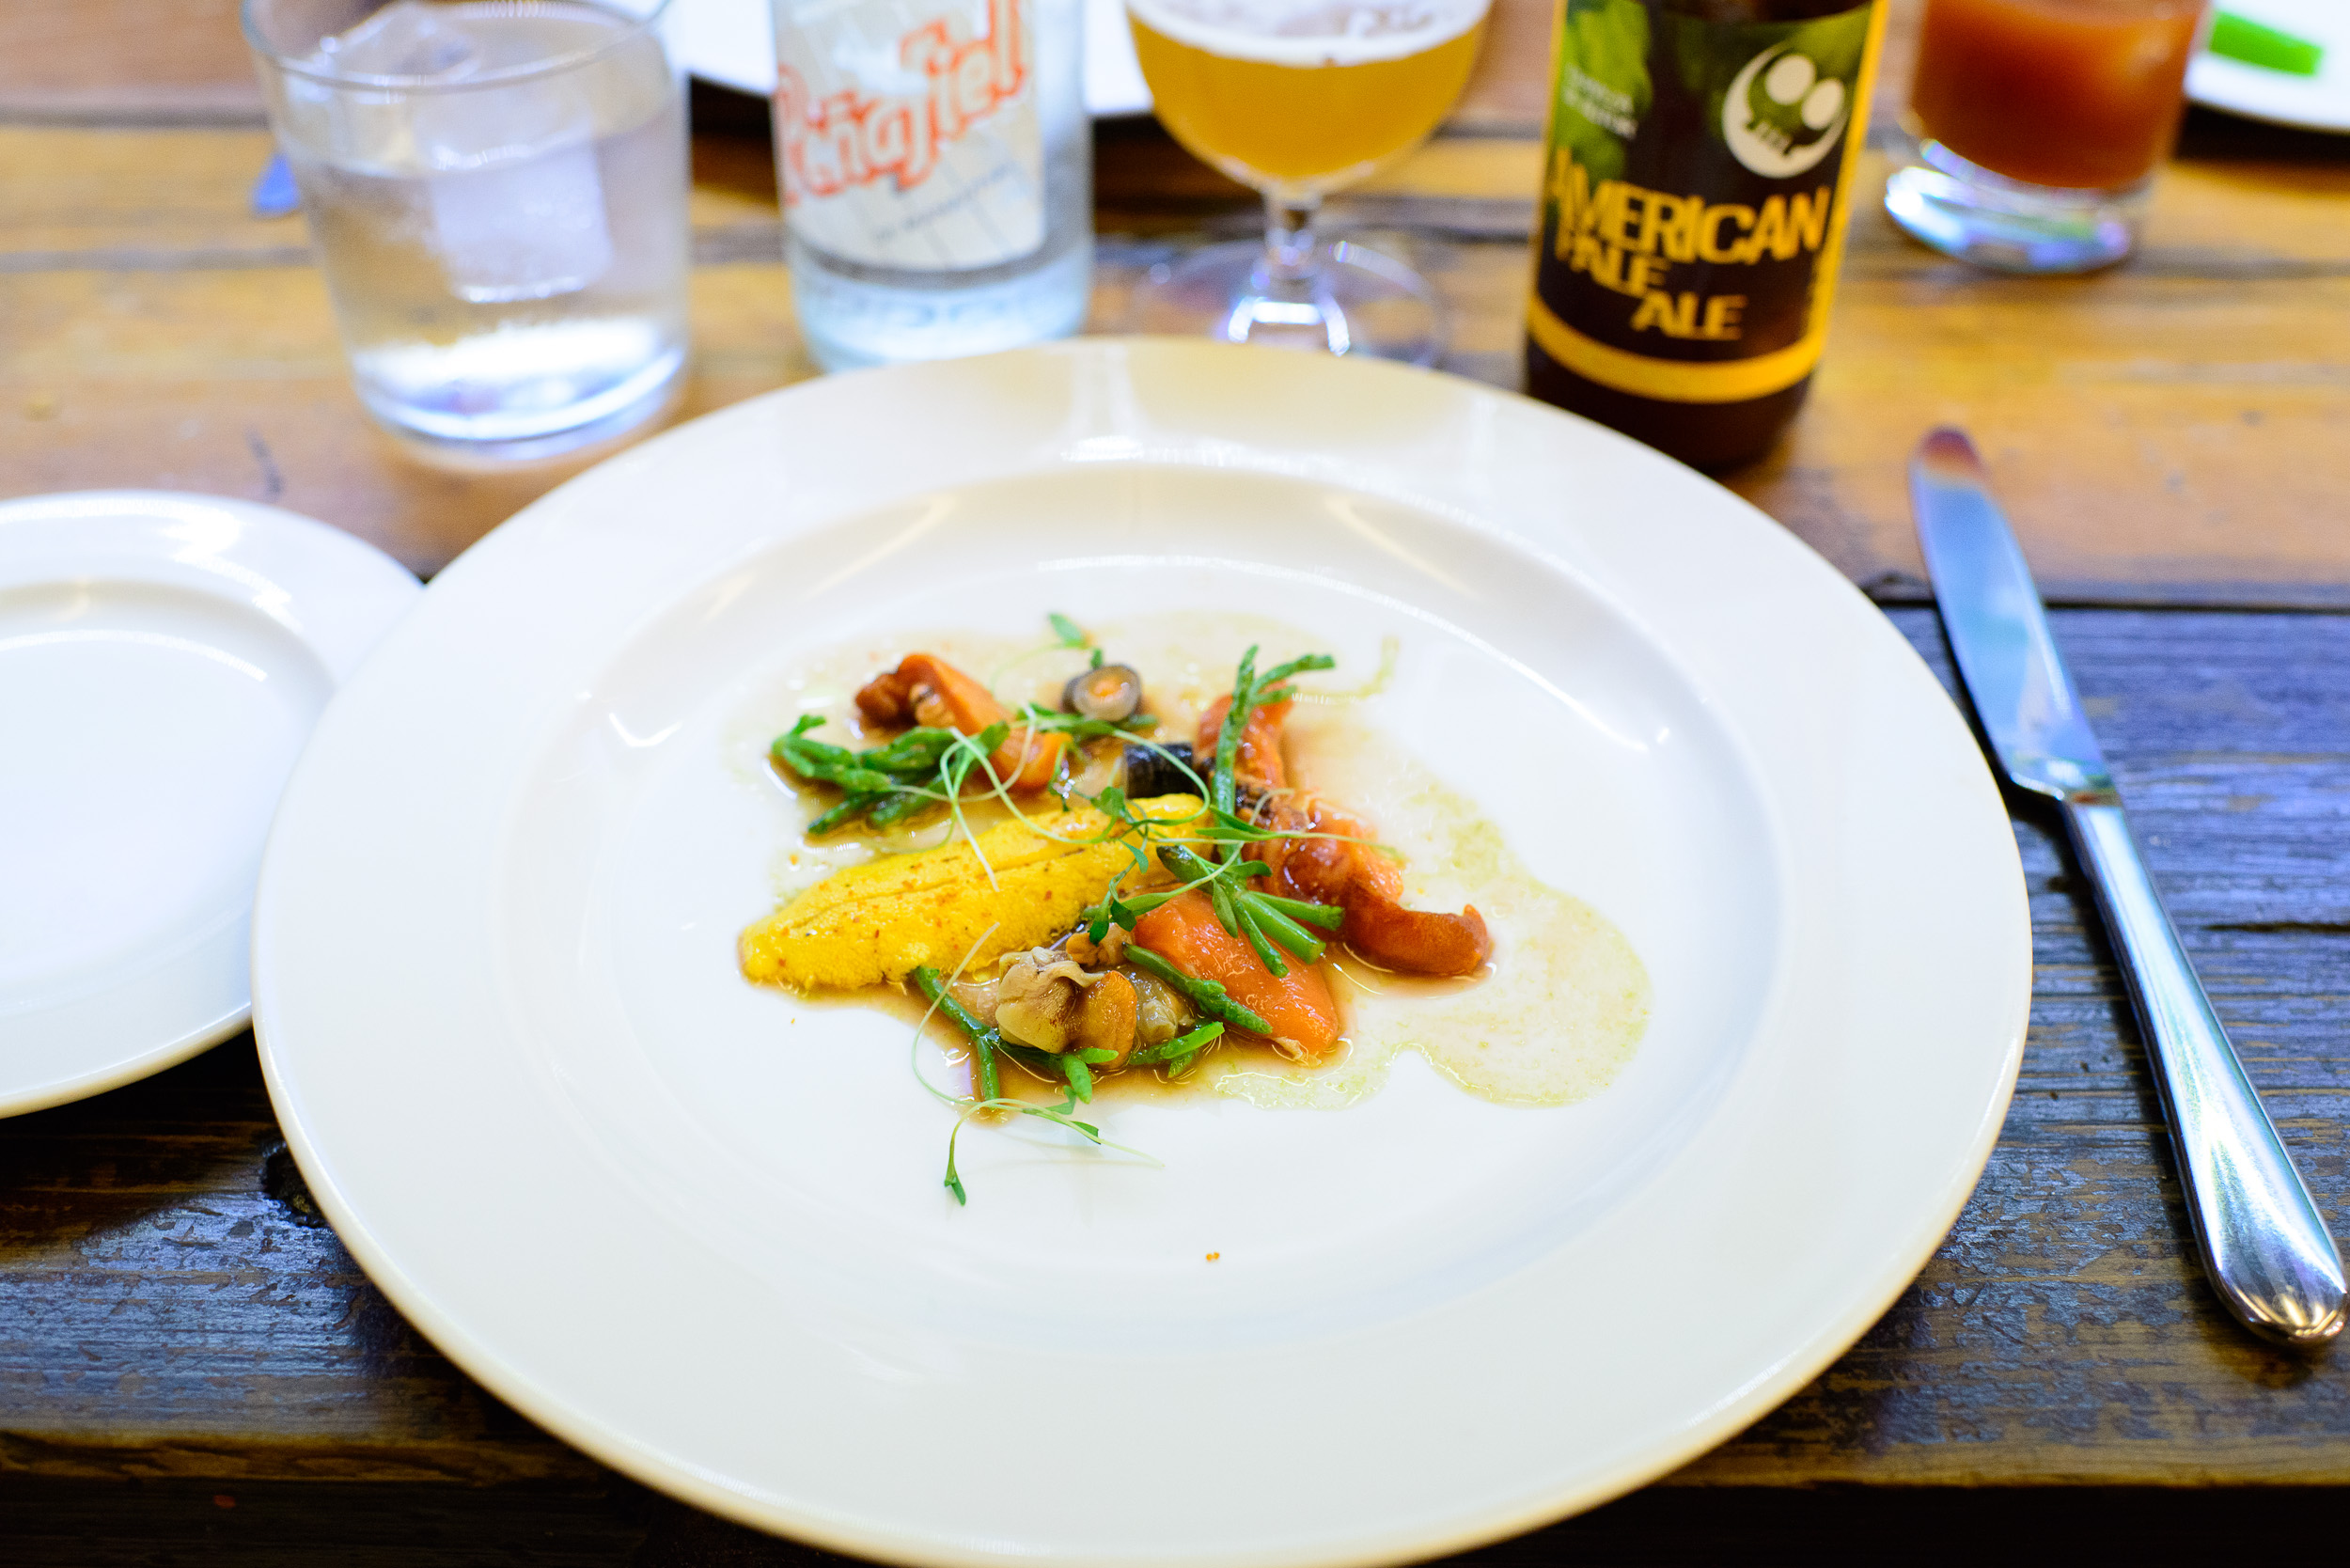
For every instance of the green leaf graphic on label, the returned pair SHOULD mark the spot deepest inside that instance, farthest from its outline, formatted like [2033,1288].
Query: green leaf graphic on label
[1602,88]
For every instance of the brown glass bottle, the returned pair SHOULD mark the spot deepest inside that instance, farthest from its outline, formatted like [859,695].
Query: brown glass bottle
[1698,172]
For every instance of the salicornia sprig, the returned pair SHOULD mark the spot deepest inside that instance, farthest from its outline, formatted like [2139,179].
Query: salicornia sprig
[1254,932]
[1220,776]
[1196,873]
[1263,918]
[1072,1066]
[1077,1064]
[1276,925]
[1183,863]
[1176,1054]
[891,782]
[1250,692]
[985,1042]
[1206,995]
[1329,917]
[849,809]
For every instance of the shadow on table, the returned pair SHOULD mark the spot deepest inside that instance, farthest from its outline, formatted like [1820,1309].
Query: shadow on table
[617,1525]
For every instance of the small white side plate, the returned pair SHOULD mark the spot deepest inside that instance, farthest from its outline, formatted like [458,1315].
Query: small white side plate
[2319,102]
[163,658]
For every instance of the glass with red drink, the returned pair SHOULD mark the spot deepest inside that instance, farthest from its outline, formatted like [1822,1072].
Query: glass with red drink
[2039,124]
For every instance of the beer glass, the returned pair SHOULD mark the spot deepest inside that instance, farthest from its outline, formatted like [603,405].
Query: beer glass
[1298,97]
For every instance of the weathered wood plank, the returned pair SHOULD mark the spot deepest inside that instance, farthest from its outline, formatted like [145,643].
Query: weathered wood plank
[2172,429]
[101,60]
[132,198]
[167,1311]
[232,383]
[127,61]
[2171,432]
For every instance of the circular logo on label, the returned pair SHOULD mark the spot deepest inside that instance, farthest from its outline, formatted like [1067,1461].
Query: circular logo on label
[1780,116]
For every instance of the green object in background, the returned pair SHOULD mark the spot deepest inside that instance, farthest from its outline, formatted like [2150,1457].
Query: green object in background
[2239,37]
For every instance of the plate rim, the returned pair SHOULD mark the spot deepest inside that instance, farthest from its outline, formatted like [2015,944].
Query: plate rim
[1824,1346]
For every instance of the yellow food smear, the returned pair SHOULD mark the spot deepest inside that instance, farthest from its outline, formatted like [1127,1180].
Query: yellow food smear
[877,923]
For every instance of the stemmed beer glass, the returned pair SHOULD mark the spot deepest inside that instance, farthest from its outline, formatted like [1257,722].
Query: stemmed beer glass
[1298,97]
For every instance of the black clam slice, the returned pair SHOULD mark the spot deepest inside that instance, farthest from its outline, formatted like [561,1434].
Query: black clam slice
[1149,774]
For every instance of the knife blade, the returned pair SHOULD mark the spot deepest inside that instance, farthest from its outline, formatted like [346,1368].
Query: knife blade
[2017,679]
[2261,1237]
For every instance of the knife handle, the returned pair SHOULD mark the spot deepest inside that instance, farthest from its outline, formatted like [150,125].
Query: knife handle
[2263,1242]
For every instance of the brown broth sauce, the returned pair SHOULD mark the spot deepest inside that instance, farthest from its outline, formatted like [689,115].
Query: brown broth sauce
[1550,1021]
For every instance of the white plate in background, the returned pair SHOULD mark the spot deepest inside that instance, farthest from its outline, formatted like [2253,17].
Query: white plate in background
[696,1226]
[161,659]
[2319,102]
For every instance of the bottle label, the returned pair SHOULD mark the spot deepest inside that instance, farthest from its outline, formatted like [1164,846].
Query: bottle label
[908,132]
[1693,209]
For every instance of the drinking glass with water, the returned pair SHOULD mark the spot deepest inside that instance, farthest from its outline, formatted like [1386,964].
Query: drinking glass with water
[496,190]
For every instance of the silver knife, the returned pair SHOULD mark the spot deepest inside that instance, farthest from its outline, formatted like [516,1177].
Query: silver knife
[2263,1240]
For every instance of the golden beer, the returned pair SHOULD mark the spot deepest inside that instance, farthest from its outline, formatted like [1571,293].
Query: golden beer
[1304,100]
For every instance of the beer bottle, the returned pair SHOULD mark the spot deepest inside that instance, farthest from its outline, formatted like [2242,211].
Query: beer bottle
[1696,179]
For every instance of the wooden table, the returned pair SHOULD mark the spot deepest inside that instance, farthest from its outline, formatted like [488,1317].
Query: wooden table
[191,1363]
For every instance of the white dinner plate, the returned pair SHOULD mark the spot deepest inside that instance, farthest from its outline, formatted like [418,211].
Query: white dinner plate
[697,1228]
[2319,102]
[162,660]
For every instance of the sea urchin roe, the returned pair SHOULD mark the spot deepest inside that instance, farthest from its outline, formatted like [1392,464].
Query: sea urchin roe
[875,924]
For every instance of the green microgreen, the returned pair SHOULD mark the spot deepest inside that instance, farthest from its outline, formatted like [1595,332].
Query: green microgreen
[1067,636]
[1052,721]
[954,771]
[1061,1115]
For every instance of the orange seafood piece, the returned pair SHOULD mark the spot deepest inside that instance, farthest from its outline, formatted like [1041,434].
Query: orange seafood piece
[1298,1006]
[1368,887]
[1258,762]
[925,689]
